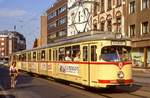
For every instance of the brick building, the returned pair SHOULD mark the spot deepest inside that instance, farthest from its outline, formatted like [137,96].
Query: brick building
[57,21]
[42,41]
[132,19]
[11,41]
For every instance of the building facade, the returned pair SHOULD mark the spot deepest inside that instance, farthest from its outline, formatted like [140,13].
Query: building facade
[11,41]
[109,15]
[80,14]
[57,21]
[138,28]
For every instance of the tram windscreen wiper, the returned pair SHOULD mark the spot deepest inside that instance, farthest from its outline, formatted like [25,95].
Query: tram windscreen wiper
[119,59]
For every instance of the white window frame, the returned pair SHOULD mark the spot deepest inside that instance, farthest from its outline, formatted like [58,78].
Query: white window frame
[142,28]
[134,7]
[142,7]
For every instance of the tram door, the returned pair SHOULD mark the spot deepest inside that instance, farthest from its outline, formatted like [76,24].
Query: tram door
[85,65]
[89,55]
[93,67]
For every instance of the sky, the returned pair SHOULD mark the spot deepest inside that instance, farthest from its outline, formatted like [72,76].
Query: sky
[25,15]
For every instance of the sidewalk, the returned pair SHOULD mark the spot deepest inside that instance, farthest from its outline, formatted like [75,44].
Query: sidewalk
[139,72]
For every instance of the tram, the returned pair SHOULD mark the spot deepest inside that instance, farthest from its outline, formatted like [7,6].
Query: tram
[94,59]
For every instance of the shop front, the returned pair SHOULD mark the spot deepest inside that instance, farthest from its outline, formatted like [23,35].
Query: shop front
[141,53]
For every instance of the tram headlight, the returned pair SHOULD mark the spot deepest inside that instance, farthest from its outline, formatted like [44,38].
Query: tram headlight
[120,74]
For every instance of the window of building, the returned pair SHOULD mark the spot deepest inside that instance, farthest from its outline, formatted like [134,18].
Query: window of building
[109,5]
[102,6]
[51,25]
[79,17]
[119,2]
[96,7]
[61,21]
[2,53]
[132,7]
[132,30]
[145,4]
[145,27]
[109,25]
[2,43]
[95,26]
[2,39]
[62,33]
[52,36]
[118,24]
[102,26]
[2,49]
[62,9]
[52,15]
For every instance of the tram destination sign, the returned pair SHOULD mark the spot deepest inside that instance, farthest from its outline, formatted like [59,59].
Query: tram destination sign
[118,43]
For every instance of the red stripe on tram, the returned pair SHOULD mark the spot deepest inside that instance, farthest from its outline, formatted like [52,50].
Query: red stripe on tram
[115,81]
[96,63]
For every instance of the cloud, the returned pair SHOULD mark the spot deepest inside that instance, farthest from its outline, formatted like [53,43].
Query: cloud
[11,13]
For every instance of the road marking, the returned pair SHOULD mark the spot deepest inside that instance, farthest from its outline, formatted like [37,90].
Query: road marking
[4,92]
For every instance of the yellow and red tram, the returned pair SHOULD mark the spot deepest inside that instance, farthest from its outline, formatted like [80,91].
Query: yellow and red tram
[97,60]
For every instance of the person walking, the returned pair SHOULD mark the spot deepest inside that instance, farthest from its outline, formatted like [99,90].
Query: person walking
[13,74]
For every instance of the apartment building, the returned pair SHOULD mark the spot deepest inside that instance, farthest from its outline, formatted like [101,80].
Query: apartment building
[57,21]
[138,28]
[11,41]
[132,19]
[109,15]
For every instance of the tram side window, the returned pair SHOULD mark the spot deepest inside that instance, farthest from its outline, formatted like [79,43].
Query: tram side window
[93,53]
[68,54]
[54,55]
[43,55]
[24,57]
[50,54]
[34,56]
[61,54]
[38,55]
[29,56]
[76,53]
[19,57]
[85,53]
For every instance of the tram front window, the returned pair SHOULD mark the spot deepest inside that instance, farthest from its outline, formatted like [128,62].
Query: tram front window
[116,53]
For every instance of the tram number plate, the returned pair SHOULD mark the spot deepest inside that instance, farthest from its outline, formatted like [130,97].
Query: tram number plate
[118,43]
[120,81]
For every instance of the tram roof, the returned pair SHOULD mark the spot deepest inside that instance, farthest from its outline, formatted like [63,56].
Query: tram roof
[82,37]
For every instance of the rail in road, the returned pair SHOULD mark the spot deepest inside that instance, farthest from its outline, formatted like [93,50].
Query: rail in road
[36,87]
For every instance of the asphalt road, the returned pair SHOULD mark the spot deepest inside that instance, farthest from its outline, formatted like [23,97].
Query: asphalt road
[37,87]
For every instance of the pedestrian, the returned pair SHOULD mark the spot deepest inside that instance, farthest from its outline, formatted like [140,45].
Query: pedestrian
[13,71]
